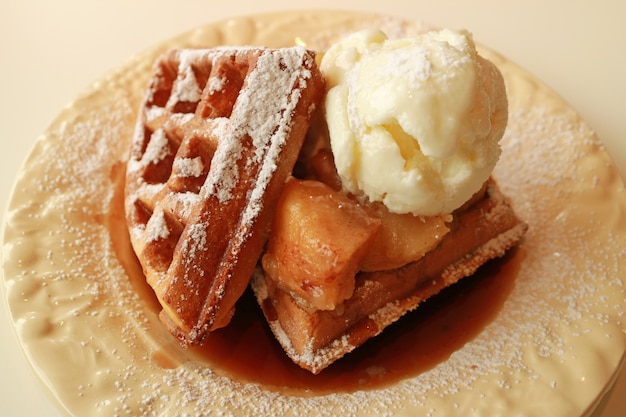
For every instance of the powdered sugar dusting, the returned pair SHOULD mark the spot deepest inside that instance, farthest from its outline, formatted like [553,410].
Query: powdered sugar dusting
[267,126]
[216,84]
[225,176]
[156,151]
[157,229]
[186,86]
[189,167]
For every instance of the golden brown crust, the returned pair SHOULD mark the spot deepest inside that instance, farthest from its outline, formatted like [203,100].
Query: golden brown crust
[478,233]
[217,135]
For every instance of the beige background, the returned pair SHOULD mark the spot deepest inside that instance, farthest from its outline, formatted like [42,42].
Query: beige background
[50,51]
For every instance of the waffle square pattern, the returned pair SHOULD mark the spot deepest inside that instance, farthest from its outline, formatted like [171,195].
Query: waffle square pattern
[217,135]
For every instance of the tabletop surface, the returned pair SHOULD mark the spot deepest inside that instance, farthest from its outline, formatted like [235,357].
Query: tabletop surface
[51,51]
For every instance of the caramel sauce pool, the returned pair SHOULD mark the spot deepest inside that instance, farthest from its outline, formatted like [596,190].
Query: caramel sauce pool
[246,349]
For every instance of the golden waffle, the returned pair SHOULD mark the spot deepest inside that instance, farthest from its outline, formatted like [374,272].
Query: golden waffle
[217,135]
[482,230]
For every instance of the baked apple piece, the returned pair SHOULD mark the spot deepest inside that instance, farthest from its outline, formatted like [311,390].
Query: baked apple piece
[402,238]
[319,238]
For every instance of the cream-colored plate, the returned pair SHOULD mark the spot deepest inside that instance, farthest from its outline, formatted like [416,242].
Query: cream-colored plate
[91,332]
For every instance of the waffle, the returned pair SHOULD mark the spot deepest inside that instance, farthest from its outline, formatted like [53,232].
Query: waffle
[483,229]
[218,133]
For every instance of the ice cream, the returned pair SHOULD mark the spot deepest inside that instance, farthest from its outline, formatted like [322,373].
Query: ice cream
[416,122]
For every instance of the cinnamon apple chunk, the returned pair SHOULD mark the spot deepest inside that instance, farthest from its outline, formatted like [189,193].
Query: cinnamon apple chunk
[318,241]
[402,238]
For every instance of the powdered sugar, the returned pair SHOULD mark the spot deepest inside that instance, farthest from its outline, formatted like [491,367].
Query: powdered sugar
[157,228]
[186,88]
[157,150]
[189,167]
[216,84]
[267,125]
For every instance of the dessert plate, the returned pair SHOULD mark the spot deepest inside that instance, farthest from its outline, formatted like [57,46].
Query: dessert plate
[550,344]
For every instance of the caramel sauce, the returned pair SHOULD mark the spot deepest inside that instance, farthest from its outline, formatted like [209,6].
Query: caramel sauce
[247,350]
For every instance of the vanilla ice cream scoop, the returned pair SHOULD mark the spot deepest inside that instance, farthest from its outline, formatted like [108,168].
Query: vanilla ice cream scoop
[416,122]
